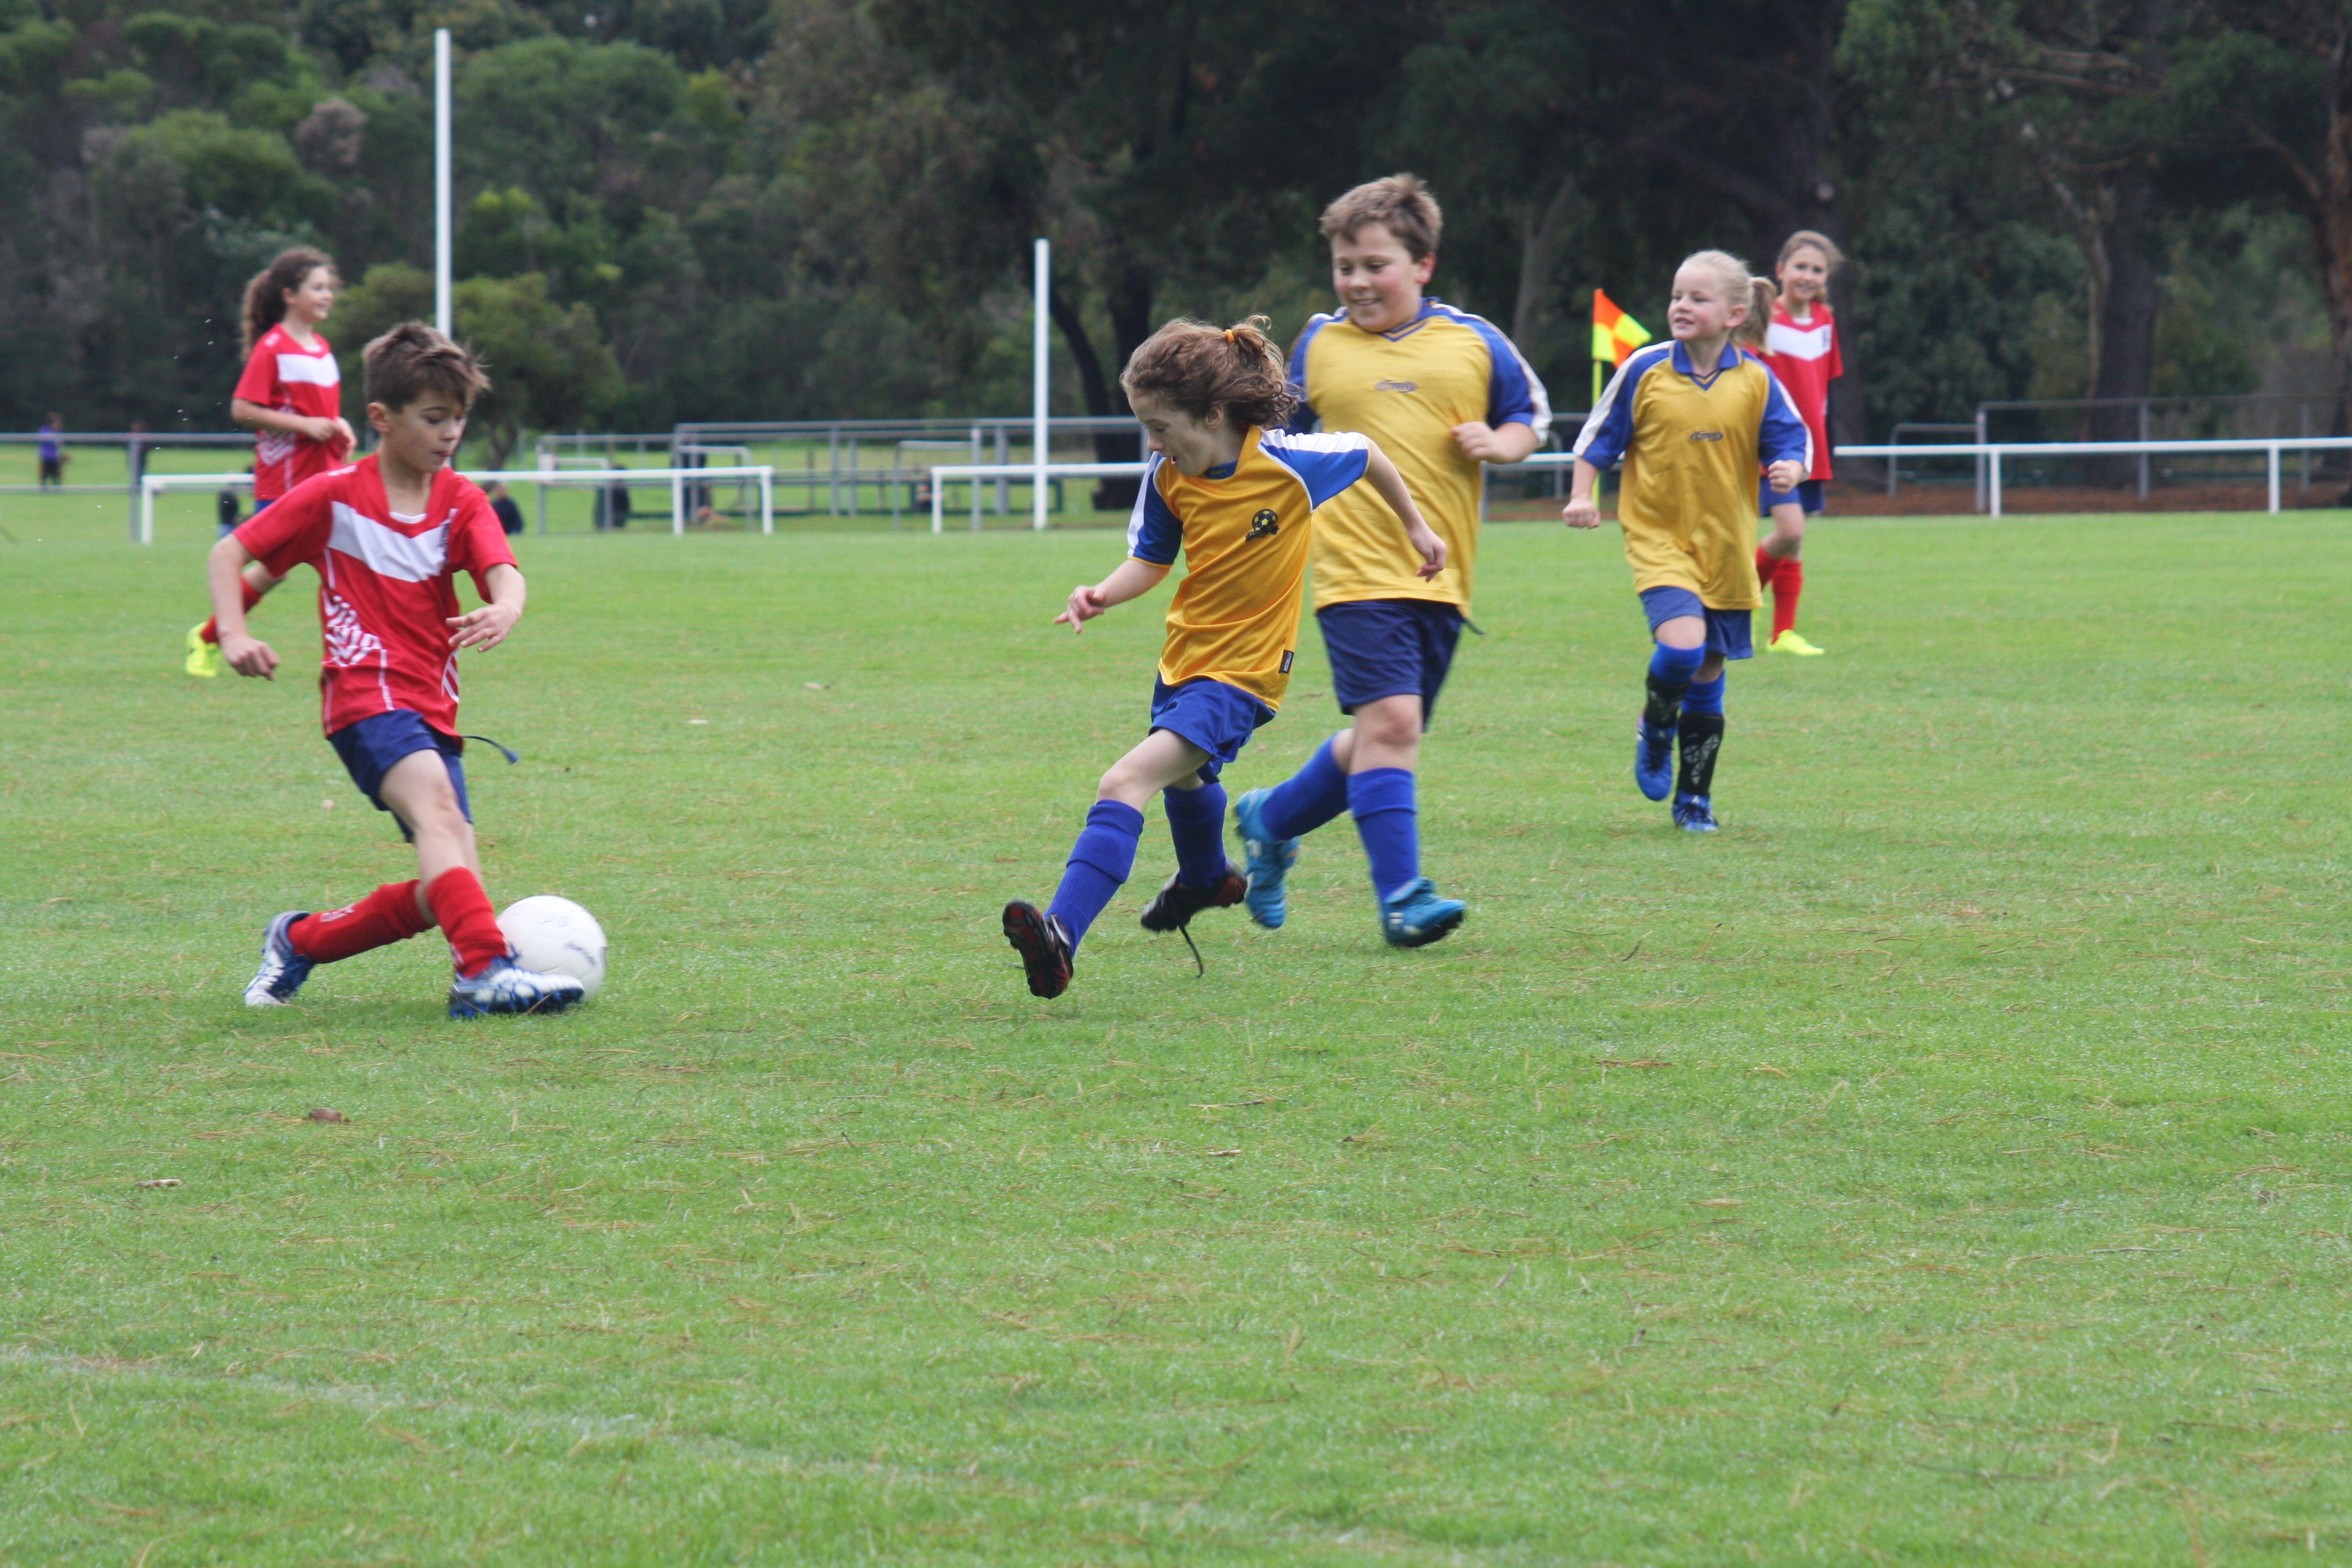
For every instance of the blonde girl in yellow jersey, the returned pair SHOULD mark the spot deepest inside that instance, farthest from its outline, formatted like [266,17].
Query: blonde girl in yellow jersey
[1691,420]
[1236,495]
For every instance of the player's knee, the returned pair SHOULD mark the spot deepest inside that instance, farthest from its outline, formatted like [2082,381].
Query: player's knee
[1394,721]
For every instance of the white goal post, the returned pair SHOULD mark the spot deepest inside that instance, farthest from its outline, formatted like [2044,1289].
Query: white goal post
[151,485]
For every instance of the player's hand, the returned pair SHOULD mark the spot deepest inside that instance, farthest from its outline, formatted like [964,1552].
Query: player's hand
[249,656]
[341,439]
[1785,475]
[1086,603]
[1479,443]
[1581,512]
[483,628]
[1431,548]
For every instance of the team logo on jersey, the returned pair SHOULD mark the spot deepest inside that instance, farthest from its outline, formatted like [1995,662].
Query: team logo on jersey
[1396,386]
[1706,435]
[1287,655]
[1264,525]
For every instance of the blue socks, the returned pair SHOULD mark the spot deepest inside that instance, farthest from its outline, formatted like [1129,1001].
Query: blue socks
[1196,821]
[1307,800]
[1387,819]
[1703,696]
[1099,863]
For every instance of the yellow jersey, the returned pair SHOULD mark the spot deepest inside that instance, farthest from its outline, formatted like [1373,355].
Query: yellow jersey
[1407,390]
[1692,444]
[1244,529]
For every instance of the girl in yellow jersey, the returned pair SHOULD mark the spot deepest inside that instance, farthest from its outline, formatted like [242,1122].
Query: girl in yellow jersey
[1691,420]
[1238,496]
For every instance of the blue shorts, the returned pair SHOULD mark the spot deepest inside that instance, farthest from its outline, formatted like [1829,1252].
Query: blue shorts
[1390,647]
[1727,631]
[371,747]
[1217,717]
[1808,494]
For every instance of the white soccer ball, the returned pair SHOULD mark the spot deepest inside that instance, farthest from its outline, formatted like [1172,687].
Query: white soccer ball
[556,936]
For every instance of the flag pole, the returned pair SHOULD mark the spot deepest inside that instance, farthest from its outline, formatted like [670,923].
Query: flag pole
[441,235]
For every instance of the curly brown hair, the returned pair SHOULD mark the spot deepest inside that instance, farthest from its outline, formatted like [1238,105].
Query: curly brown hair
[1200,368]
[265,293]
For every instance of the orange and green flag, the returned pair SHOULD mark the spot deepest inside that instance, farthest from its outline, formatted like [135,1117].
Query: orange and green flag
[1615,334]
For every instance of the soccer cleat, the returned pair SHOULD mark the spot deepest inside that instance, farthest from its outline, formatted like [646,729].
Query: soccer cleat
[203,658]
[1269,859]
[502,985]
[1693,815]
[1173,907]
[1045,947]
[1789,642]
[1417,917]
[1653,759]
[282,970]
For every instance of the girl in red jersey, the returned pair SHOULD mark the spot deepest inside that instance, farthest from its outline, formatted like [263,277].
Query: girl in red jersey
[292,394]
[1800,346]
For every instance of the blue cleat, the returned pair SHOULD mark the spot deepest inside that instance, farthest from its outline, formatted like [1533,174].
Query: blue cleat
[1693,815]
[1653,759]
[1269,859]
[1417,917]
[282,970]
[502,985]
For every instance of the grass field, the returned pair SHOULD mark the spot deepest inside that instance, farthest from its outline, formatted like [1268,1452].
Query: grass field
[1945,1164]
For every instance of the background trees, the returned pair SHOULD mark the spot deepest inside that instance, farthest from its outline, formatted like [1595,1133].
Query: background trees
[739,208]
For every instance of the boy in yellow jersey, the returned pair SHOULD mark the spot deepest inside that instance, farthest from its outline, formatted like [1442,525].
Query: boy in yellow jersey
[1692,420]
[1443,392]
[1237,497]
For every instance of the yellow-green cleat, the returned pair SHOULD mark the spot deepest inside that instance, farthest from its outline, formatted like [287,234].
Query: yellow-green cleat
[203,658]
[1789,642]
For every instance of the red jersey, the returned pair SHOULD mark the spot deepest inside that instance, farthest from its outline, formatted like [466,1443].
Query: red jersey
[285,376]
[385,585]
[1804,355]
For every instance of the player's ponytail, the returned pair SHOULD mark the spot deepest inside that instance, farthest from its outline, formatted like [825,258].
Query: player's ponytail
[1751,331]
[1198,368]
[264,295]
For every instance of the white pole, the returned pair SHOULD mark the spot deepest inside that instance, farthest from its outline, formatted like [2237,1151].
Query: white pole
[2274,477]
[441,179]
[1992,459]
[1040,370]
[767,500]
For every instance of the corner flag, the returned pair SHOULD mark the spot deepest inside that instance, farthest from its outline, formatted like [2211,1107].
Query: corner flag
[1615,334]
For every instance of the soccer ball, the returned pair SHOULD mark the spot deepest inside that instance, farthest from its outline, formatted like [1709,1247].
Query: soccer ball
[556,936]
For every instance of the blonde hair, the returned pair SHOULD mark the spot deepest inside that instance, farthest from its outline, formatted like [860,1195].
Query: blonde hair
[1399,203]
[1198,369]
[1739,285]
[1810,239]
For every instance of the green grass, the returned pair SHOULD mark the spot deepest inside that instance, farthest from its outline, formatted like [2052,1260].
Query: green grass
[1943,1165]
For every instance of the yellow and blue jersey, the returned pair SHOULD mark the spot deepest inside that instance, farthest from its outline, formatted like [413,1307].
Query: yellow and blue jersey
[1244,529]
[1691,444]
[1407,389]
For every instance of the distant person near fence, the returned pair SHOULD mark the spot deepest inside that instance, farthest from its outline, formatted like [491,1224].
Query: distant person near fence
[52,451]
[509,514]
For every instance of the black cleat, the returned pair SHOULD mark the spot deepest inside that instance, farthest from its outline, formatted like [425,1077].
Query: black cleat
[1173,907]
[1043,946]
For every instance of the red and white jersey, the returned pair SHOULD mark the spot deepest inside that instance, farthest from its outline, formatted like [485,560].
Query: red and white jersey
[284,375]
[386,587]
[1804,355]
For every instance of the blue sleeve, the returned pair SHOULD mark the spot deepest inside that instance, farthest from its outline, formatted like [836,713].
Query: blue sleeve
[1783,432]
[1608,430]
[1303,420]
[1513,391]
[1154,532]
[1326,464]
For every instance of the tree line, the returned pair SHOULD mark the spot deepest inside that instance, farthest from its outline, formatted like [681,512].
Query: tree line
[733,209]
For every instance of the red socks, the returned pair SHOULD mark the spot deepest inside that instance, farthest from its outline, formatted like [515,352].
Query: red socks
[385,916]
[1787,583]
[466,918]
[1767,566]
[211,634]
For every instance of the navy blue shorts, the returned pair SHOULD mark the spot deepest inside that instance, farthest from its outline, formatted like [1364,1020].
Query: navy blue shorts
[1727,631]
[371,747]
[1217,717]
[1808,494]
[1390,647]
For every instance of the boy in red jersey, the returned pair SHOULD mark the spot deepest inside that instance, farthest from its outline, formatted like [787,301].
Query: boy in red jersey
[1800,347]
[387,536]
[292,394]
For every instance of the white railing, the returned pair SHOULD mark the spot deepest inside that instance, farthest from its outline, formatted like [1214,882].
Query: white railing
[678,480]
[1038,474]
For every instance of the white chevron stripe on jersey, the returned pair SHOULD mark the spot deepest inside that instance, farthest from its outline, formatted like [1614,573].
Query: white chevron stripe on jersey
[314,369]
[388,551]
[1799,343]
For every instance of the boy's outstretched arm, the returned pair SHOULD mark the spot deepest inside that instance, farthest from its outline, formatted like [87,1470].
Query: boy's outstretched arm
[225,582]
[1582,511]
[1509,442]
[1130,579]
[488,625]
[1384,477]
